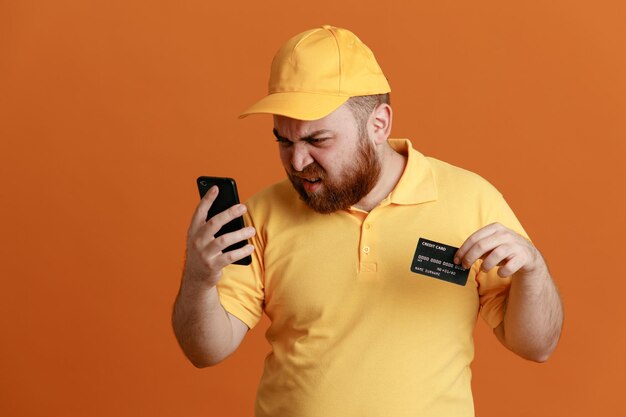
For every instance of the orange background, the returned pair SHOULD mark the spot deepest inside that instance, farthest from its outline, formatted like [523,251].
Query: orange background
[111,109]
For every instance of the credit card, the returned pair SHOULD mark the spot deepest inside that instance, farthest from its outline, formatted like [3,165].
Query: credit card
[435,260]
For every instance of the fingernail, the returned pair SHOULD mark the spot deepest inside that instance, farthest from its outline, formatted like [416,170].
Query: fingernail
[456,260]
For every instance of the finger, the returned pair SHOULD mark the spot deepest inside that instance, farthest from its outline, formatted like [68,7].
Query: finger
[482,248]
[215,223]
[512,265]
[218,244]
[473,238]
[199,216]
[498,256]
[229,257]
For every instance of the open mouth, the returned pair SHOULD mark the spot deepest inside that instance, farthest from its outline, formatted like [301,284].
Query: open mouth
[311,180]
[311,185]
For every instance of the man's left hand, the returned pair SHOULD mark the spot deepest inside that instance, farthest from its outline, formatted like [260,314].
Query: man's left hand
[500,246]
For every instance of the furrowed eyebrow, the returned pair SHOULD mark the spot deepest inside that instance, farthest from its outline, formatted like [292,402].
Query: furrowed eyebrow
[309,137]
[276,134]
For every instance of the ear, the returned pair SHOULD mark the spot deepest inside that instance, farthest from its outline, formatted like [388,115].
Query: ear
[379,123]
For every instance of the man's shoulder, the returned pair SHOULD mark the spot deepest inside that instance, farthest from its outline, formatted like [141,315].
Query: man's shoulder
[280,194]
[450,177]
[447,177]
[276,207]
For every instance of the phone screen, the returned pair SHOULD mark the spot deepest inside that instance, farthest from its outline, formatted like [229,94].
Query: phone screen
[226,198]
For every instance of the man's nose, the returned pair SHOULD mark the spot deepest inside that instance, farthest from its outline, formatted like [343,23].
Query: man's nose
[300,157]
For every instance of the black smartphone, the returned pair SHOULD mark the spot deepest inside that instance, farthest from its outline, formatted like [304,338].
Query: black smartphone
[226,198]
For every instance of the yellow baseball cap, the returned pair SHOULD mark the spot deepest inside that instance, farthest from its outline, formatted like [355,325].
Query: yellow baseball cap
[317,71]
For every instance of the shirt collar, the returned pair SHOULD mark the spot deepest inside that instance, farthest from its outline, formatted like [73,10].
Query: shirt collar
[417,183]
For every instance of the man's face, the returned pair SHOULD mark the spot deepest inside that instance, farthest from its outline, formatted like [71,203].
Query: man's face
[331,164]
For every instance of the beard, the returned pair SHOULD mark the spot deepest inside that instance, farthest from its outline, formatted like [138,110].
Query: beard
[354,183]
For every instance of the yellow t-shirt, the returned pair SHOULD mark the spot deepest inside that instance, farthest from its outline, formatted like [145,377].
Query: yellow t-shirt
[354,331]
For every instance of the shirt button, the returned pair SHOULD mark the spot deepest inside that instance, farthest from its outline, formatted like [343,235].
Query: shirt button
[367,226]
[366,249]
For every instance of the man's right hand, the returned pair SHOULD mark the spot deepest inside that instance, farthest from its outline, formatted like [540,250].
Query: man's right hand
[205,257]
[206,332]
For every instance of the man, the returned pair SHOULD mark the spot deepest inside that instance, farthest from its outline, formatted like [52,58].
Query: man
[372,308]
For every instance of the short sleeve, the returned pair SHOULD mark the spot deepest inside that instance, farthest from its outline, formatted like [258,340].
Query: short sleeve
[492,289]
[241,289]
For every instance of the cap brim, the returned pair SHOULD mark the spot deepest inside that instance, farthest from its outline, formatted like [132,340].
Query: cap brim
[297,105]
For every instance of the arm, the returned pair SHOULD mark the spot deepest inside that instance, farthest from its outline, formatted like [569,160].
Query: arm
[205,331]
[534,314]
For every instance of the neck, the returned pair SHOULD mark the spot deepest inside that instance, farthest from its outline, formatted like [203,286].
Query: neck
[392,167]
